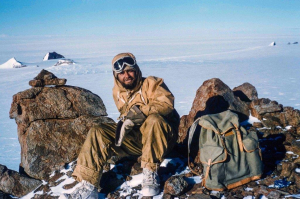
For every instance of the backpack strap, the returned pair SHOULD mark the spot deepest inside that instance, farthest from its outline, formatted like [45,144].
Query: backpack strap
[191,134]
[239,138]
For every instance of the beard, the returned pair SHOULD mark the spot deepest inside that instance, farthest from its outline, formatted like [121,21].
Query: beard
[129,86]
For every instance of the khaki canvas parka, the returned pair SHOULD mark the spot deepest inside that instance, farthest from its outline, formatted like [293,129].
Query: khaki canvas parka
[150,93]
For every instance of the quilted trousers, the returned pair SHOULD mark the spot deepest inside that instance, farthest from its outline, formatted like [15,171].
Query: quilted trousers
[152,141]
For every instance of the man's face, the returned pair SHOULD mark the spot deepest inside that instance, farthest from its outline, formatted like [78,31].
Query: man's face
[127,78]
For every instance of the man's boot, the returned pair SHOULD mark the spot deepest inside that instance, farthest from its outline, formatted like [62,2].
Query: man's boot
[85,191]
[151,183]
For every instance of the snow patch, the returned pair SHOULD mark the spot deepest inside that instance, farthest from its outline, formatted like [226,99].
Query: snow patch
[64,62]
[288,127]
[46,57]
[251,120]
[290,152]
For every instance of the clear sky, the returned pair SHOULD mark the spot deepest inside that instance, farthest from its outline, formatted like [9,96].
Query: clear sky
[141,18]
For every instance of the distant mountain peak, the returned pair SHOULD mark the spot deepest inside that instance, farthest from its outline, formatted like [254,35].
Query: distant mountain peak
[52,55]
[12,63]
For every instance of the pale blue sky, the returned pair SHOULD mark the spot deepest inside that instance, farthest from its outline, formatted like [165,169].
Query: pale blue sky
[141,18]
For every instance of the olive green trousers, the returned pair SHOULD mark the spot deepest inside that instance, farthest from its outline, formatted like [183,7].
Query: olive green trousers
[152,141]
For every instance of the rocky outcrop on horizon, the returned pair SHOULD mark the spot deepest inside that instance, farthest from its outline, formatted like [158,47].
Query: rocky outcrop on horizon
[52,55]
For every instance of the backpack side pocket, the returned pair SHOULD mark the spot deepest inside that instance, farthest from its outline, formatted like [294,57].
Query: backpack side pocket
[253,154]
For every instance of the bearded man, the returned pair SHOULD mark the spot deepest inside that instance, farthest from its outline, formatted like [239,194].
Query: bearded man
[148,128]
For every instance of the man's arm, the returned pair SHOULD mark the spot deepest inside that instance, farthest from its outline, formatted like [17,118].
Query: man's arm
[158,97]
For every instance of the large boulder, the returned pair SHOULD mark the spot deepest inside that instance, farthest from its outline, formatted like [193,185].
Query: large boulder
[47,145]
[212,97]
[52,125]
[13,183]
[246,92]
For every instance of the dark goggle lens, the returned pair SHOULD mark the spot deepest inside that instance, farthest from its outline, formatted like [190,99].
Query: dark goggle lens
[118,65]
[128,60]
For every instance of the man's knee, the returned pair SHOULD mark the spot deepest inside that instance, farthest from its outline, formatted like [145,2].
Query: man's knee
[154,119]
[100,134]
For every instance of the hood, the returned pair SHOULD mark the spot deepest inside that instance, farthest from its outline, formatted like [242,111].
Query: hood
[117,85]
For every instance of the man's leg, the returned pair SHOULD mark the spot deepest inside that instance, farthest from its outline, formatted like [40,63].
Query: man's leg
[98,147]
[158,139]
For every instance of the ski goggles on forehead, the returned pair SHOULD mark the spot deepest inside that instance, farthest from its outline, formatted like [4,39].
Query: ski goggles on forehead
[120,63]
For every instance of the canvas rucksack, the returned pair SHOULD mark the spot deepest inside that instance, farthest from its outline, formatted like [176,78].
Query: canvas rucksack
[230,155]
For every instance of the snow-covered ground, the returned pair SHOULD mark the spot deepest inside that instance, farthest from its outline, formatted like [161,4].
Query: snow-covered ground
[183,63]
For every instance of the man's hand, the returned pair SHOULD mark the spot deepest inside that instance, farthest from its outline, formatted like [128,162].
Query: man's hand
[122,129]
[136,115]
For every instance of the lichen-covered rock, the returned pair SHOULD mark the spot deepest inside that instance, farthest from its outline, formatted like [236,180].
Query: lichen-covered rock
[175,185]
[212,97]
[14,183]
[65,102]
[48,144]
[53,123]
[290,116]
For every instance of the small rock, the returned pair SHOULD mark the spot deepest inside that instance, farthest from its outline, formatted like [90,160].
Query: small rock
[268,181]
[45,188]
[113,195]
[202,196]
[257,125]
[297,180]
[46,78]
[56,176]
[262,106]
[298,130]
[136,169]
[44,74]
[167,196]
[287,168]
[128,178]
[69,173]
[175,185]
[70,186]
[273,195]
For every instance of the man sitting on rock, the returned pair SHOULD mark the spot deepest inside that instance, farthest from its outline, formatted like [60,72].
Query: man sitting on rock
[148,128]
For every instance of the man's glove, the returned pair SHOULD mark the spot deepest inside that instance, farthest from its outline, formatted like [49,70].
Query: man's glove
[122,129]
[136,115]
